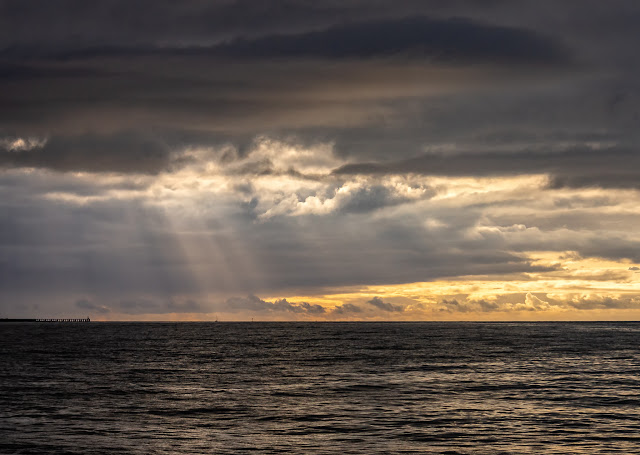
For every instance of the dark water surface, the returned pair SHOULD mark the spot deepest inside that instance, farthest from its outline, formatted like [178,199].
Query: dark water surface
[307,388]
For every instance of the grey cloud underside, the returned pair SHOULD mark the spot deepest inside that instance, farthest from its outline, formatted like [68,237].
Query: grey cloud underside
[576,167]
[614,167]
[450,40]
[196,21]
[122,246]
[139,121]
[114,247]
[123,152]
[110,107]
[85,304]
[369,199]
[140,306]
[436,40]
[275,82]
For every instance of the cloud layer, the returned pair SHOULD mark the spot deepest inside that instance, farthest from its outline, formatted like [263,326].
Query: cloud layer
[164,159]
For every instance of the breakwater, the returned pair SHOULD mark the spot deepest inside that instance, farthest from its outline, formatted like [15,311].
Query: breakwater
[47,320]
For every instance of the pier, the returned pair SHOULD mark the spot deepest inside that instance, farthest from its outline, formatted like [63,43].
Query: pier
[47,320]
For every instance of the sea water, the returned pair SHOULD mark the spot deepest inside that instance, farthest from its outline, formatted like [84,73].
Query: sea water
[319,388]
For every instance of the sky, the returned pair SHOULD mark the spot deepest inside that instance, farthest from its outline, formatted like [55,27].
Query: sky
[334,160]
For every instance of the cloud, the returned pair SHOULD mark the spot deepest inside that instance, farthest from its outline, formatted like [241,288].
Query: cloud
[453,306]
[191,233]
[194,21]
[539,302]
[188,306]
[179,74]
[255,304]
[122,152]
[378,303]
[346,308]
[452,40]
[139,306]
[613,167]
[85,304]
[152,306]
[169,154]
[502,303]
[600,302]
[532,303]
[370,197]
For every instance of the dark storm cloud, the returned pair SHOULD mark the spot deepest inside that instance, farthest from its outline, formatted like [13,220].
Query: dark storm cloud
[197,93]
[189,21]
[122,152]
[454,40]
[449,41]
[20,72]
[29,186]
[576,167]
[613,247]
[159,66]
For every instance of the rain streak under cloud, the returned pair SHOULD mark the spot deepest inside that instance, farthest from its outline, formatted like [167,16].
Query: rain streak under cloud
[345,161]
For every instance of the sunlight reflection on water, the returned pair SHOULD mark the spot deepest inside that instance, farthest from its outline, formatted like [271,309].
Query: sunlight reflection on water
[137,388]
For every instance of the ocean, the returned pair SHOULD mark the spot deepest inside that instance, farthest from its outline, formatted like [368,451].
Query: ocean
[319,388]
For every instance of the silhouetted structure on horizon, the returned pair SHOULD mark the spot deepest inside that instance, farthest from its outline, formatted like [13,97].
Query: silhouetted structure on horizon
[47,320]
